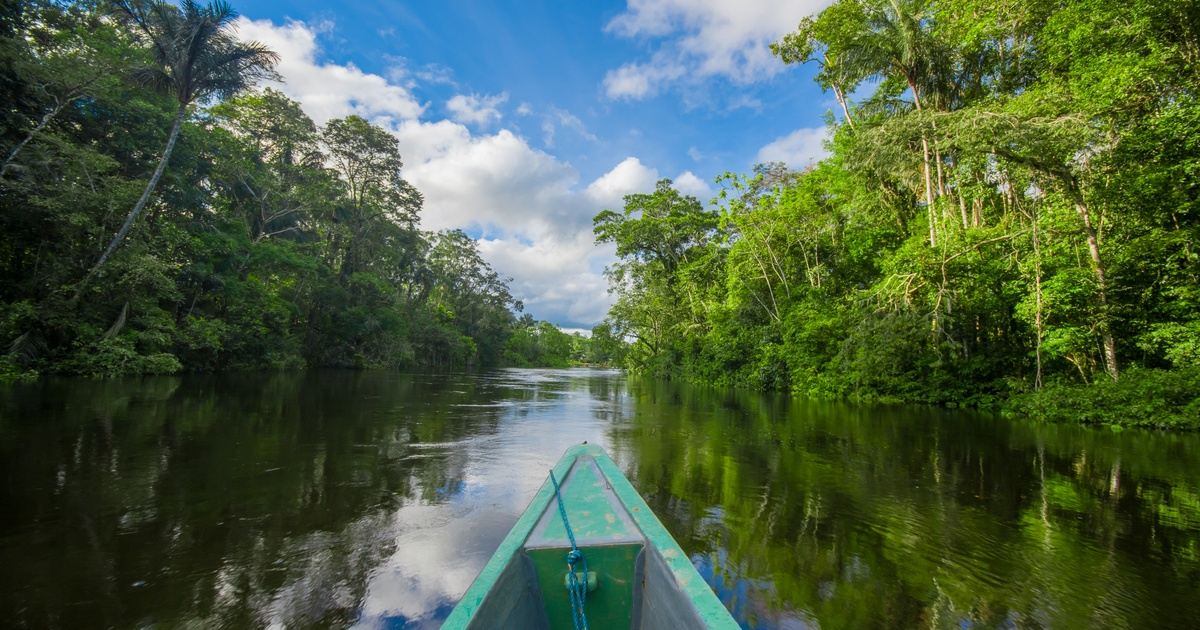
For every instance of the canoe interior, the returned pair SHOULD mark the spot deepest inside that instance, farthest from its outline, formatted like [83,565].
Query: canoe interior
[622,600]
[643,579]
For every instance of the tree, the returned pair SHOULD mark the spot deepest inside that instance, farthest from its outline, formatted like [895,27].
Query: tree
[661,227]
[828,41]
[605,348]
[471,294]
[66,53]
[1064,134]
[367,159]
[196,57]
[885,39]
[279,174]
[278,245]
[659,236]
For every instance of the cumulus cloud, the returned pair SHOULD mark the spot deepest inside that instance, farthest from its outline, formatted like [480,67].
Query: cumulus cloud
[329,90]
[635,81]
[800,149]
[689,184]
[700,39]
[558,275]
[473,109]
[496,183]
[531,208]
[629,176]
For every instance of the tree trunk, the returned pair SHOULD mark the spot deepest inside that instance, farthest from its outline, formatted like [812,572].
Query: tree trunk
[929,192]
[1106,335]
[32,132]
[133,215]
[1037,287]
[926,171]
[841,99]
[941,178]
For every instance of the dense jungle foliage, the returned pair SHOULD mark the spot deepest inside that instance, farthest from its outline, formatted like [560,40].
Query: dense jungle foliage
[160,214]
[1009,214]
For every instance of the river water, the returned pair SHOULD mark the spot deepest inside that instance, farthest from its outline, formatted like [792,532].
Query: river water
[371,499]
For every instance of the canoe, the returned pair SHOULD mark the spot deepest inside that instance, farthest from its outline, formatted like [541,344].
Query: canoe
[627,571]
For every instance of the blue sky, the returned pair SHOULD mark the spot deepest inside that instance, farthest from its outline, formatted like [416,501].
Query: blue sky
[519,120]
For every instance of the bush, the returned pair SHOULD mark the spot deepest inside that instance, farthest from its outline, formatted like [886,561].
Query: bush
[117,356]
[1142,398]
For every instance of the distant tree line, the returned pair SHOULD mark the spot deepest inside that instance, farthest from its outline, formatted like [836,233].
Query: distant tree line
[1010,215]
[542,344]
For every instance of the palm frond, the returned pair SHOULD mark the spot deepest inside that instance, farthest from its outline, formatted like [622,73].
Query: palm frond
[197,54]
[154,79]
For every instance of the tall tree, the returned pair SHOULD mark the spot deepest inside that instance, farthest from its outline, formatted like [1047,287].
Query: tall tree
[63,54]
[279,177]
[829,41]
[367,160]
[197,57]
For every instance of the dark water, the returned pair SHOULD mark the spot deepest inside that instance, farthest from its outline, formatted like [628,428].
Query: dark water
[372,499]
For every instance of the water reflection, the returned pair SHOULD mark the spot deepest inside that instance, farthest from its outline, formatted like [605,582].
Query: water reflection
[841,516]
[373,499]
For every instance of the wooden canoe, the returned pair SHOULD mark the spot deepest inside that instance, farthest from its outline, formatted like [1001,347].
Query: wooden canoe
[638,578]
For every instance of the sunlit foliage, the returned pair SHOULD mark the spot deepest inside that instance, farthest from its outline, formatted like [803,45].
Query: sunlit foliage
[1011,202]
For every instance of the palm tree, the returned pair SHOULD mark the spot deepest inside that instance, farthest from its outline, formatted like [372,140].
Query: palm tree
[196,58]
[855,40]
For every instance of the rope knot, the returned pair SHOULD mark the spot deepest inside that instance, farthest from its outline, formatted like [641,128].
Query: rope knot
[576,586]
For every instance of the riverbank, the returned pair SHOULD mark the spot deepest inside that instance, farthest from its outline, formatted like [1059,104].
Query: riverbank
[1142,398]
[1158,399]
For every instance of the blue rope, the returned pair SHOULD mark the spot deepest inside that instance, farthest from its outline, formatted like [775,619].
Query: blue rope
[576,588]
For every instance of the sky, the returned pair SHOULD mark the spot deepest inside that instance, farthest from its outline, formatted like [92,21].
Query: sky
[519,120]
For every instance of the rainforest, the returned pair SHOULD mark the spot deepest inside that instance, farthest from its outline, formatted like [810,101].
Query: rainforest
[160,214]
[1006,217]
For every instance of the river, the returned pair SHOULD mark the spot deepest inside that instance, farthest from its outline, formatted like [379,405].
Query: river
[371,499]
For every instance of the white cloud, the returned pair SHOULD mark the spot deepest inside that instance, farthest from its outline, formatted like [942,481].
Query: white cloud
[688,184]
[799,149]
[635,81]
[702,39]
[496,182]
[557,275]
[524,109]
[629,176]
[473,109]
[329,90]
[436,74]
[535,220]
[561,118]
[533,211]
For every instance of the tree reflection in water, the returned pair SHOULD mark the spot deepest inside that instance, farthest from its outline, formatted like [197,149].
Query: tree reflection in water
[372,498]
[853,516]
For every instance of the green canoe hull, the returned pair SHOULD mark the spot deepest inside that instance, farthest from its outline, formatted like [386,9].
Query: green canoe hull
[642,578]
